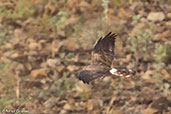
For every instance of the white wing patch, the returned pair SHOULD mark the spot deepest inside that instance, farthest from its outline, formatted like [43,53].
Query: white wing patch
[121,72]
[113,71]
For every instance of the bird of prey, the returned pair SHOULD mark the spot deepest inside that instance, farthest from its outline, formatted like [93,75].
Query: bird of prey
[101,60]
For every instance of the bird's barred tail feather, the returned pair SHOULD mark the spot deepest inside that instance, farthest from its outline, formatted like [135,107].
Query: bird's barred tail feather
[122,72]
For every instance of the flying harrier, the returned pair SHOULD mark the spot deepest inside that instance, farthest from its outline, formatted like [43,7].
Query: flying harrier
[101,61]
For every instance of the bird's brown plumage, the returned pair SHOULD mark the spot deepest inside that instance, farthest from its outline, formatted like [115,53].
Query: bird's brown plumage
[103,52]
[101,60]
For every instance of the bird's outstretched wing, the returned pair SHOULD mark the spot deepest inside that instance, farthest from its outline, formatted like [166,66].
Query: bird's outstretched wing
[92,72]
[103,52]
[102,57]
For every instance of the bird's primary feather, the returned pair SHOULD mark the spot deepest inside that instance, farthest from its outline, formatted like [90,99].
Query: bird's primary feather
[101,59]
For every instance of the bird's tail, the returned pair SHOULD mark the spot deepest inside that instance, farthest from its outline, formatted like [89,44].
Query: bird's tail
[122,72]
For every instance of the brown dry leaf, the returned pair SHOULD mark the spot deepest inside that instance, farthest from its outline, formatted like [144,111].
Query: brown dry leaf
[19,67]
[156,16]
[162,36]
[39,72]
[136,30]
[1,54]
[49,8]
[5,60]
[7,4]
[81,87]
[43,65]
[5,55]
[55,47]
[146,76]
[95,112]
[71,68]
[15,55]
[111,18]
[115,111]
[165,74]
[49,103]
[7,46]
[61,33]
[128,57]
[2,91]
[35,1]
[19,35]
[96,3]
[70,44]
[123,13]
[67,106]
[119,48]
[48,47]
[72,20]
[72,5]
[90,104]
[168,24]
[38,8]
[60,68]
[33,46]
[84,6]
[150,111]
[107,79]
[28,66]
[53,62]
[168,15]
[93,104]
[71,101]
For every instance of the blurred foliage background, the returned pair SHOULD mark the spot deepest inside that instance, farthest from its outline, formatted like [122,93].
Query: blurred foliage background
[45,43]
